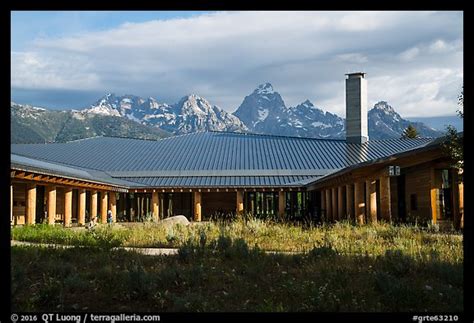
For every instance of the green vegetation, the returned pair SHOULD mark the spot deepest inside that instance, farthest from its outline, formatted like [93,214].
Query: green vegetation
[225,275]
[220,266]
[39,126]
[343,236]
[410,132]
[454,144]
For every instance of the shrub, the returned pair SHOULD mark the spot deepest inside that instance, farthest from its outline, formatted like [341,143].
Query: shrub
[240,249]
[187,251]
[398,263]
[223,244]
[324,251]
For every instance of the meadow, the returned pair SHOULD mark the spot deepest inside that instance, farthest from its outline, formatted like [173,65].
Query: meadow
[225,266]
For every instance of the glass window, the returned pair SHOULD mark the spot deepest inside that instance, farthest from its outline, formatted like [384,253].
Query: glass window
[444,194]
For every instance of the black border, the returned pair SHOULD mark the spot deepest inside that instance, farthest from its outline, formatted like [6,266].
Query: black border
[212,5]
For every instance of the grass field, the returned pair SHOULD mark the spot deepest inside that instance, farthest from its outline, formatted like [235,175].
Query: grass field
[222,267]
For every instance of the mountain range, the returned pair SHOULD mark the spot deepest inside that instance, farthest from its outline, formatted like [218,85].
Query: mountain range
[262,111]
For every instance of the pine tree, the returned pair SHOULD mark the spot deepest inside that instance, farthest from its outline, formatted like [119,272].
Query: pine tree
[410,132]
[454,145]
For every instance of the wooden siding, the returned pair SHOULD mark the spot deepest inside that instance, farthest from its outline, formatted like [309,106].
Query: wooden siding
[19,203]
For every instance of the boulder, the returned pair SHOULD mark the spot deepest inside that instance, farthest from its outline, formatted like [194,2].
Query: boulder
[173,220]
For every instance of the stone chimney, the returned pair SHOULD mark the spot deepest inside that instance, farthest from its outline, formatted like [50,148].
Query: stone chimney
[356,108]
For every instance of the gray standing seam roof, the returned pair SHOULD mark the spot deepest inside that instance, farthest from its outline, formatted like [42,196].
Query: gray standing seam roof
[29,164]
[214,158]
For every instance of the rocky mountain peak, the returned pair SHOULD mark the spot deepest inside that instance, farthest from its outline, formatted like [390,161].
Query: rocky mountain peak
[384,106]
[262,111]
[265,88]
[307,104]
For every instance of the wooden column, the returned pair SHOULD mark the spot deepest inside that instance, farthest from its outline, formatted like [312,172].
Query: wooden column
[240,202]
[113,206]
[334,203]
[359,202]
[328,205]
[156,207]
[385,203]
[67,206]
[323,204]
[341,207]
[434,208]
[31,204]
[132,208]
[371,200]
[81,217]
[350,202]
[197,206]
[433,198]
[281,204]
[94,205]
[103,207]
[51,207]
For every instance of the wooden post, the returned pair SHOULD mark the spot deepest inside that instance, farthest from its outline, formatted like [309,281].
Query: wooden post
[371,200]
[350,202]
[132,208]
[81,218]
[67,206]
[323,205]
[334,203]
[156,207]
[240,202]
[113,206]
[103,207]
[341,207]
[434,198]
[197,206]
[51,207]
[31,204]
[281,204]
[94,205]
[434,208]
[328,205]
[385,203]
[359,202]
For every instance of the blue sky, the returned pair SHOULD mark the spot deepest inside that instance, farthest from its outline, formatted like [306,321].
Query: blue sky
[26,26]
[69,59]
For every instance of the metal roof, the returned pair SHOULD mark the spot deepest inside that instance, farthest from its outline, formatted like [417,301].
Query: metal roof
[224,181]
[53,169]
[432,145]
[211,158]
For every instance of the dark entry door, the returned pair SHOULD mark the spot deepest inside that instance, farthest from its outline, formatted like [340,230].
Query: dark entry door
[402,215]
[40,208]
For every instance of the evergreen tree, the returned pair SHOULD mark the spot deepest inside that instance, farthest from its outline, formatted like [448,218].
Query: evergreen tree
[410,132]
[454,144]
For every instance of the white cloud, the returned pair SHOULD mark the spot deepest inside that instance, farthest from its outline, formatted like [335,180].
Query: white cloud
[224,55]
[410,54]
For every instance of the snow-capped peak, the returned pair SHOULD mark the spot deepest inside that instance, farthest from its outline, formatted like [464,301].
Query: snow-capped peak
[195,104]
[265,88]
[107,106]
[384,106]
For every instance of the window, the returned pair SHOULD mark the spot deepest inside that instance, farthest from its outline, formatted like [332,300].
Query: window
[443,180]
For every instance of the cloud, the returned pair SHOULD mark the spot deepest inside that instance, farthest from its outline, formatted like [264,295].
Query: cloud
[409,54]
[223,56]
